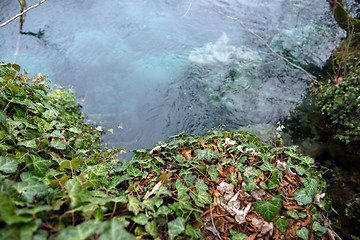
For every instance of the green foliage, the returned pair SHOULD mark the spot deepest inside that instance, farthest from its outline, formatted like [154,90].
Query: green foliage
[269,209]
[353,208]
[339,99]
[57,182]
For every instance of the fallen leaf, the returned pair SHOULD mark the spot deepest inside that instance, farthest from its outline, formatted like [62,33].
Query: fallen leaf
[156,188]
[228,142]
[186,153]
[158,149]
[257,193]
[251,237]
[318,197]
[263,226]
[226,189]
[240,215]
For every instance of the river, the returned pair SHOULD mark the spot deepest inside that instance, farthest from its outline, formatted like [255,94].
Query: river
[160,67]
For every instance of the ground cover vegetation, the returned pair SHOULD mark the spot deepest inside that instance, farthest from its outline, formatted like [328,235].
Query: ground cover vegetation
[338,97]
[56,181]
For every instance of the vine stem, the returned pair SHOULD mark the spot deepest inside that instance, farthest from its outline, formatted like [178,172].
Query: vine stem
[22,13]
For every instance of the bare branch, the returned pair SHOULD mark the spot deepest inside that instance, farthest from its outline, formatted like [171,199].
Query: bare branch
[311,77]
[22,13]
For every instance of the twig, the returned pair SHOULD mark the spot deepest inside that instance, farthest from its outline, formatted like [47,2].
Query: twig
[22,13]
[188,8]
[311,77]
[212,221]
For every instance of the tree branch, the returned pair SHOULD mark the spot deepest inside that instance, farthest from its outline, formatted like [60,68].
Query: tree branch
[310,76]
[22,13]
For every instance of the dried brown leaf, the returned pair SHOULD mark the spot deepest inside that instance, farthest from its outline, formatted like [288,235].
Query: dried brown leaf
[186,152]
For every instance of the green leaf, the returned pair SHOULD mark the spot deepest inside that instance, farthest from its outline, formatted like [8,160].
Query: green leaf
[269,209]
[163,210]
[29,187]
[151,228]
[141,219]
[7,213]
[296,215]
[134,205]
[27,231]
[152,202]
[116,231]
[8,164]
[319,229]
[193,232]
[281,224]
[77,192]
[181,189]
[176,227]
[250,184]
[201,195]
[81,231]
[50,114]
[75,130]
[28,143]
[267,166]
[213,173]
[58,144]
[134,172]
[41,166]
[207,155]
[303,233]
[3,116]
[303,197]
[237,236]
[189,178]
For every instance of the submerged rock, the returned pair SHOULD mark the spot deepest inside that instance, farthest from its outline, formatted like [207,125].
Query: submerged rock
[252,87]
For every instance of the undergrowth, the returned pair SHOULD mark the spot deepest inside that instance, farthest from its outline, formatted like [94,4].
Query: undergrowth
[56,182]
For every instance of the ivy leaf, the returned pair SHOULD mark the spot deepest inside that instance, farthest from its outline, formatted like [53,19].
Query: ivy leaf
[116,231]
[267,166]
[41,166]
[303,233]
[176,227]
[237,236]
[3,117]
[152,202]
[201,195]
[207,155]
[213,173]
[7,213]
[134,172]
[151,228]
[58,144]
[8,164]
[319,229]
[281,224]
[193,232]
[163,210]
[269,209]
[302,197]
[141,219]
[296,215]
[29,187]
[77,192]
[50,114]
[28,143]
[134,205]
[81,231]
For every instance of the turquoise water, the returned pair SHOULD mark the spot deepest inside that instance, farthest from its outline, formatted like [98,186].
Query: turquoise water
[159,67]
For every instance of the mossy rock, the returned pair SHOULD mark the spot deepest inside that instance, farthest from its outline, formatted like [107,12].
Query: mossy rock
[57,182]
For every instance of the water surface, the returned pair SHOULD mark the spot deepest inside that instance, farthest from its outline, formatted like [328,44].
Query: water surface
[159,67]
